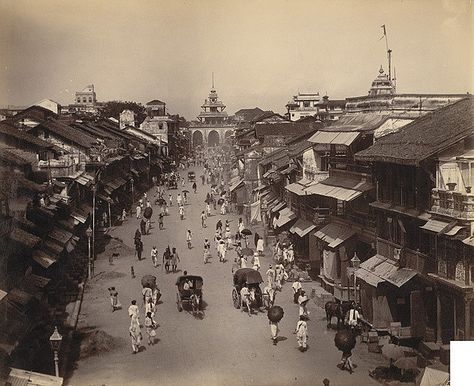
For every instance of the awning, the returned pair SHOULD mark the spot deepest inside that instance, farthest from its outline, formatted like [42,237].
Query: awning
[286,215]
[334,137]
[79,216]
[278,206]
[454,230]
[436,226]
[82,180]
[302,227]
[42,258]
[134,172]
[334,234]
[469,241]
[105,198]
[378,269]
[60,235]
[25,238]
[289,169]
[296,188]
[442,227]
[2,294]
[336,192]
[259,188]
[267,174]
[236,184]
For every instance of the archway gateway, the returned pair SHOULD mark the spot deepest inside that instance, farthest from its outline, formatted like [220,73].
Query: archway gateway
[198,138]
[213,138]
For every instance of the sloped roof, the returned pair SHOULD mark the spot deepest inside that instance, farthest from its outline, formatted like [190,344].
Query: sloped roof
[11,131]
[249,114]
[424,136]
[68,132]
[155,102]
[35,113]
[358,122]
[265,115]
[287,129]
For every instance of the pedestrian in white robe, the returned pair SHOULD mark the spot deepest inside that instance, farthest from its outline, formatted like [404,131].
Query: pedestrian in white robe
[302,334]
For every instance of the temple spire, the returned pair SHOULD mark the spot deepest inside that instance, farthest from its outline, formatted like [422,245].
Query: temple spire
[212,79]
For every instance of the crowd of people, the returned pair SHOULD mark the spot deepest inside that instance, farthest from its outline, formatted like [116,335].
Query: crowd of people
[227,237]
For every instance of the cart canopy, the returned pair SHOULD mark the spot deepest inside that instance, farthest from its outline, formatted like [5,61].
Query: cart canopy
[247,276]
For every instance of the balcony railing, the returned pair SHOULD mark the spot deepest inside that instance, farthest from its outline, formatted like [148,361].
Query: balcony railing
[453,204]
[316,215]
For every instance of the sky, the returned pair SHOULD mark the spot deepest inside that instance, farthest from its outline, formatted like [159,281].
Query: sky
[261,51]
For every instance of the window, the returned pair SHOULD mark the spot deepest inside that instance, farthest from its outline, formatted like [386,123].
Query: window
[78,100]
[84,99]
[460,272]
[90,99]
[306,104]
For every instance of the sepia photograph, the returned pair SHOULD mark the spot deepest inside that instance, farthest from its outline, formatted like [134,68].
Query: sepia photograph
[236,192]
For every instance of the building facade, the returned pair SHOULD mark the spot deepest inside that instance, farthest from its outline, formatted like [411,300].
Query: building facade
[313,105]
[213,125]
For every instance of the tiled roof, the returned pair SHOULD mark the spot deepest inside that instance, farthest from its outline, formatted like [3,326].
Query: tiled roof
[287,129]
[424,136]
[249,114]
[35,113]
[11,131]
[155,102]
[358,122]
[68,132]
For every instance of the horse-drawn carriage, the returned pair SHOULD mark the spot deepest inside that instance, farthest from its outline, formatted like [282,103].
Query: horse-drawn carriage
[191,176]
[189,290]
[252,279]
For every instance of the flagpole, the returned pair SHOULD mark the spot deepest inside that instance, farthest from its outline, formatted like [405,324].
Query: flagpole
[389,53]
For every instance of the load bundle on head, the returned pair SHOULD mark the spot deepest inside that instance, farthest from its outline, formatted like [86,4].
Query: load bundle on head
[275,314]
[345,340]
[149,281]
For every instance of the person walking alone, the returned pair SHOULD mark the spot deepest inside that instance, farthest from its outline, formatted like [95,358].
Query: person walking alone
[302,334]
[114,301]
[207,250]
[160,220]
[203,219]
[139,249]
[189,237]
[274,330]
[154,256]
[150,326]
[174,260]
[135,334]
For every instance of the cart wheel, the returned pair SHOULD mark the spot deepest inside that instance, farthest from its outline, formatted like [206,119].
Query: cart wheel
[179,304]
[236,298]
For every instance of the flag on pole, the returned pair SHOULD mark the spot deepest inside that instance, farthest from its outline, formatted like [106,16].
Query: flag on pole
[384,32]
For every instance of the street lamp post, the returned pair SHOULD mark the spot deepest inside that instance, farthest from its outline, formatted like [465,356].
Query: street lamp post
[55,341]
[89,264]
[355,264]
[132,181]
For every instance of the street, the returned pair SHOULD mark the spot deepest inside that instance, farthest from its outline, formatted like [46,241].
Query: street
[225,346]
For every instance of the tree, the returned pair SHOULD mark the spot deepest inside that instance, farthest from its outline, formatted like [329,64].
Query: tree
[114,108]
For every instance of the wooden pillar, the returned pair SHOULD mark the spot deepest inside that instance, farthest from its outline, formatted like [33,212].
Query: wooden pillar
[110,216]
[467,319]
[438,317]
[455,324]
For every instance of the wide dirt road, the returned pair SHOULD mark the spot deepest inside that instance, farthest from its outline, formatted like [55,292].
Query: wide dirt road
[226,346]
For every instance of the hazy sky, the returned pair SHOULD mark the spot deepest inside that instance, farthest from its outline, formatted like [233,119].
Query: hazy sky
[262,52]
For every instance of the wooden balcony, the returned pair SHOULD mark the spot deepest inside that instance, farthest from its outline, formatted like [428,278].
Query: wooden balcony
[454,204]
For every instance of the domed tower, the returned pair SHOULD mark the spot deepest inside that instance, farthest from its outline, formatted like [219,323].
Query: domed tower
[382,85]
